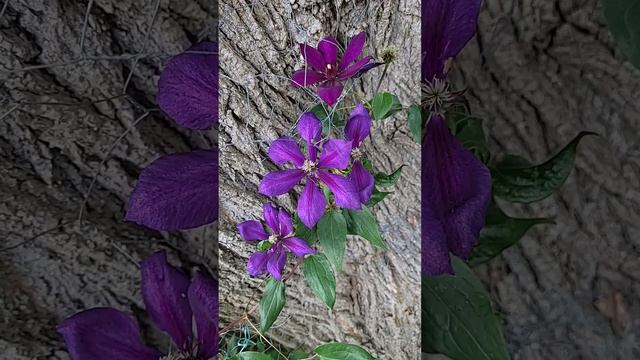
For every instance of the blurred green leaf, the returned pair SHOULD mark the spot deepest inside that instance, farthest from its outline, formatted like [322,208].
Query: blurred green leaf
[303,232]
[271,304]
[332,233]
[320,278]
[383,180]
[416,123]
[623,17]
[341,351]
[364,224]
[385,105]
[377,196]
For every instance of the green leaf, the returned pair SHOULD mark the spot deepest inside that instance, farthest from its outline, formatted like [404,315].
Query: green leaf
[326,116]
[303,232]
[251,355]
[264,245]
[457,319]
[341,351]
[529,184]
[416,124]
[298,355]
[385,105]
[623,17]
[514,162]
[271,304]
[383,180]
[367,164]
[499,233]
[332,232]
[365,225]
[319,275]
[469,131]
[377,196]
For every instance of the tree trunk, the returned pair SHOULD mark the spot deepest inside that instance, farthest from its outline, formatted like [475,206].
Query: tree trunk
[378,292]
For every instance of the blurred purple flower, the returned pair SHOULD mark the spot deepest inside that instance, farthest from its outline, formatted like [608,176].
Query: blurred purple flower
[327,70]
[456,186]
[357,130]
[335,155]
[180,191]
[282,240]
[174,304]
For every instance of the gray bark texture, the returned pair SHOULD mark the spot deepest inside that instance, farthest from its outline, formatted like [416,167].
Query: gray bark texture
[378,292]
[57,126]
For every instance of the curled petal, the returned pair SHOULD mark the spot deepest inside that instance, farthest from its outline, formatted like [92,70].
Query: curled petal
[343,190]
[313,57]
[164,291]
[280,182]
[252,230]
[176,192]
[286,225]
[277,259]
[188,87]
[362,180]
[257,264]
[284,150]
[306,78]
[358,126]
[203,298]
[311,204]
[456,188]
[356,69]
[310,128]
[271,217]
[353,50]
[330,92]
[298,246]
[104,334]
[328,47]
[336,154]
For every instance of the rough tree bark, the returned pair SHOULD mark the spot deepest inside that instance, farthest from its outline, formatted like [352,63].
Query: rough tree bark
[378,292]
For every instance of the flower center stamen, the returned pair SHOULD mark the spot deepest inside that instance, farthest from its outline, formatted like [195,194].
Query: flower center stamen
[436,94]
[309,166]
[356,153]
[273,238]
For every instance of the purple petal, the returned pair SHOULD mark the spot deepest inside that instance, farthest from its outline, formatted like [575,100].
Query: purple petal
[203,298]
[330,92]
[313,57]
[271,217]
[257,264]
[164,292]
[328,47]
[286,225]
[336,154]
[306,77]
[277,259]
[280,182]
[435,251]
[252,230]
[447,26]
[343,190]
[284,150]
[353,50]
[104,334]
[188,87]
[298,246]
[456,188]
[355,69]
[311,204]
[358,126]
[176,192]
[362,180]
[310,128]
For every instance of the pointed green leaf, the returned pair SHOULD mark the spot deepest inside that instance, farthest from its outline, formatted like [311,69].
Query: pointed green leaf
[416,124]
[332,233]
[383,180]
[298,355]
[514,162]
[341,351]
[319,275]
[251,355]
[385,105]
[536,182]
[377,196]
[623,18]
[499,233]
[364,224]
[303,232]
[271,304]
[471,134]
[457,319]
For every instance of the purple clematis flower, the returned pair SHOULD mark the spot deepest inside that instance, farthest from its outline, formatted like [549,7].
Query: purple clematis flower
[456,186]
[180,191]
[282,239]
[175,304]
[357,130]
[327,70]
[335,155]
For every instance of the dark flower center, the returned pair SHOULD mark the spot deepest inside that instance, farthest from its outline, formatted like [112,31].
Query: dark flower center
[331,71]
